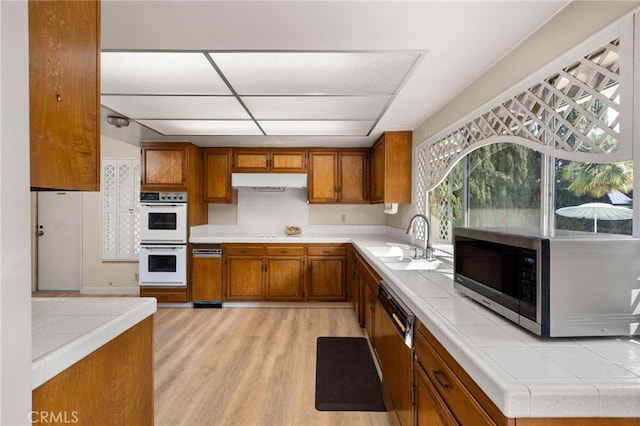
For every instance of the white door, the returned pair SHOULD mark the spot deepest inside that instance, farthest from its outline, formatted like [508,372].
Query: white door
[59,230]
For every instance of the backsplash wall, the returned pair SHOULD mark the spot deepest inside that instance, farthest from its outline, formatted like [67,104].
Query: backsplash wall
[271,211]
[274,210]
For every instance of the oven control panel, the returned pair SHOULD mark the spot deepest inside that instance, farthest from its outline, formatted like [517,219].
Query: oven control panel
[163,197]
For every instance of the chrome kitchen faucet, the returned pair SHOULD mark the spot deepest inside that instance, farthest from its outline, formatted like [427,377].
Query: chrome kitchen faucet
[427,250]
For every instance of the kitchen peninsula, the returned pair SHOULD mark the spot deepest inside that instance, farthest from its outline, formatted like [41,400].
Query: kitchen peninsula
[93,360]
[519,375]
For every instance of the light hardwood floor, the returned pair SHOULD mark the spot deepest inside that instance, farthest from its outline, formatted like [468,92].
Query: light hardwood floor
[246,366]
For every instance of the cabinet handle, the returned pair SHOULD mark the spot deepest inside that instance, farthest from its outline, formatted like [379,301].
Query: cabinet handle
[284,251]
[243,251]
[440,378]
[326,251]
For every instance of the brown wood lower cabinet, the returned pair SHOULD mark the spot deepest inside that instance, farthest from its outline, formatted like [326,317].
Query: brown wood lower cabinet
[111,386]
[364,291]
[441,391]
[284,272]
[166,294]
[327,266]
[243,272]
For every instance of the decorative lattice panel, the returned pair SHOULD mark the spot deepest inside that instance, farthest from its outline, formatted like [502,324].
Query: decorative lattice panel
[120,216]
[421,190]
[574,110]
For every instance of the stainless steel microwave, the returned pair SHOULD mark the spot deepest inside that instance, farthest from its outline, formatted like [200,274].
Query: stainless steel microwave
[566,285]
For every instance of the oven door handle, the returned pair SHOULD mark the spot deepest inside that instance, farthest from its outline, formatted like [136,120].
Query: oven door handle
[160,248]
[162,205]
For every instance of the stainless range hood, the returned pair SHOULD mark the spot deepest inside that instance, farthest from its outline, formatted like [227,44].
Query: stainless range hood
[269,181]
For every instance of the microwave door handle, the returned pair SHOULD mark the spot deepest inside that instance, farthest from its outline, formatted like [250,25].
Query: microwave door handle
[161,205]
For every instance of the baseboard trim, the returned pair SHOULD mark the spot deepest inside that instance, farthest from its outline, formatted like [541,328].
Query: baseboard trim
[111,290]
[305,305]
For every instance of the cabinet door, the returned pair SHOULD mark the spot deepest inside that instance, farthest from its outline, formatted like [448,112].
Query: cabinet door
[323,175]
[288,161]
[64,76]
[377,172]
[352,167]
[206,273]
[326,278]
[368,309]
[217,176]
[284,278]
[250,161]
[448,385]
[244,278]
[164,167]
[391,168]
[430,409]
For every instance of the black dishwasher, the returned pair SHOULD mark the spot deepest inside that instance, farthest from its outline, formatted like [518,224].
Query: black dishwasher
[394,347]
[206,262]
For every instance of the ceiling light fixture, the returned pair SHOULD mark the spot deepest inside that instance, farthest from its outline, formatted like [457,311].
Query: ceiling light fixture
[117,121]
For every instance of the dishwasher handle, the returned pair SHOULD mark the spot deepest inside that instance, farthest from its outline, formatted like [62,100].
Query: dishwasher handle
[204,253]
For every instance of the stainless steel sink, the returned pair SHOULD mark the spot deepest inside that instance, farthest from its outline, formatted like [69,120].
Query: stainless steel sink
[401,257]
[410,264]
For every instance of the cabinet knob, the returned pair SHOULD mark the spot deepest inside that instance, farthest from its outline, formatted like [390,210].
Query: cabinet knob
[58,97]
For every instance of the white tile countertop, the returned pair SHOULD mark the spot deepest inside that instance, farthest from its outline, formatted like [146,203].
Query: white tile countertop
[523,374]
[65,330]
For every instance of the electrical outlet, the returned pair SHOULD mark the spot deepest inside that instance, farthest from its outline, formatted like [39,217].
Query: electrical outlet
[343,218]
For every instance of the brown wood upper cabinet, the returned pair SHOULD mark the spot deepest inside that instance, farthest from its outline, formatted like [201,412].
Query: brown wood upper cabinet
[64,103]
[338,176]
[217,176]
[164,166]
[260,160]
[391,168]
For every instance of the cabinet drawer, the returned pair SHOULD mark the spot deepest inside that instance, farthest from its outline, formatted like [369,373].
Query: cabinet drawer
[242,250]
[456,396]
[285,251]
[163,296]
[326,251]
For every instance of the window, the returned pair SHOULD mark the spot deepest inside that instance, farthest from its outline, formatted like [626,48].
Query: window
[560,139]
[120,218]
[504,186]
[593,197]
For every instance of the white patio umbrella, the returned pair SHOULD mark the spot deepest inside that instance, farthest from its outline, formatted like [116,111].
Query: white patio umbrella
[596,211]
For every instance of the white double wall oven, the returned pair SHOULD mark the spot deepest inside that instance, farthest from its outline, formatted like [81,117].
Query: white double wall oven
[163,239]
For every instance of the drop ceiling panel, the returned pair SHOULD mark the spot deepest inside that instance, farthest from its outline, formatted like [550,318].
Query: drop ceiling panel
[325,127]
[176,107]
[292,73]
[316,107]
[202,127]
[159,73]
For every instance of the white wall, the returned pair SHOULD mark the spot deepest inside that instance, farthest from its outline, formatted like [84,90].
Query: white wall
[15,208]
[98,276]
[269,210]
[574,24]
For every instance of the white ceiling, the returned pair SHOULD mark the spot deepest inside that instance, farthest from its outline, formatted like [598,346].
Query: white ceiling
[455,42]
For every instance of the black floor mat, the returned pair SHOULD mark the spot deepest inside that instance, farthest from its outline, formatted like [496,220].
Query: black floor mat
[346,377]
